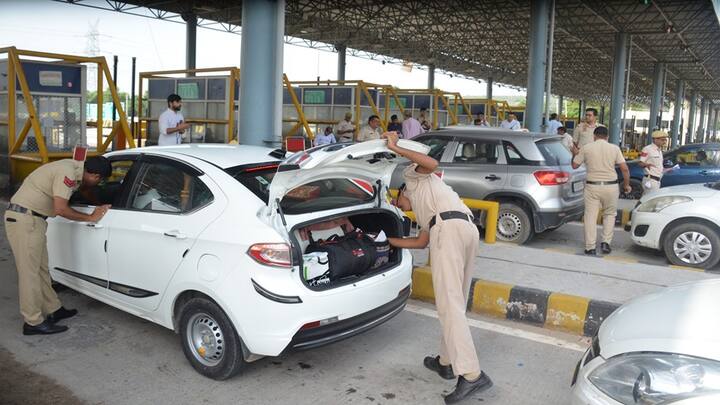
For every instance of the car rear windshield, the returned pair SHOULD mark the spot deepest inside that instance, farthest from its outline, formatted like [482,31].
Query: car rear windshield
[554,152]
[256,178]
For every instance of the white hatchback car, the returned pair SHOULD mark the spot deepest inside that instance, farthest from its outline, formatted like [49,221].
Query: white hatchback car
[683,222]
[208,240]
[661,348]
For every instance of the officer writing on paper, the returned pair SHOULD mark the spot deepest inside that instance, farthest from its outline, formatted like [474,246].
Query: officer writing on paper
[172,123]
[45,193]
[447,227]
[651,160]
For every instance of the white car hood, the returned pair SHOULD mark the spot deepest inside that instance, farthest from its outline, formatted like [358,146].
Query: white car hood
[681,319]
[691,190]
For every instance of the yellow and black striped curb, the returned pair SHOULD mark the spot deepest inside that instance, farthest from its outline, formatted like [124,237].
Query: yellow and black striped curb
[570,313]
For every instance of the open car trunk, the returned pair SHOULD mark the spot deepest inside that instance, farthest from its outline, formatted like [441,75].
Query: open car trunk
[316,242]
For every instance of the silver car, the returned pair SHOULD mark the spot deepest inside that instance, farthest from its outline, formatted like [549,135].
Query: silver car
[529,174]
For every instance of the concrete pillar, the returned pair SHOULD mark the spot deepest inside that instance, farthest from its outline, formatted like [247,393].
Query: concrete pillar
[618,87]
[715,124]
[700,134]
[539,13]
[190,41]
[489,92]
[657,96]
[342,53]
[431,77]
[690,138]
[561,105]
[261,65]
[677,116]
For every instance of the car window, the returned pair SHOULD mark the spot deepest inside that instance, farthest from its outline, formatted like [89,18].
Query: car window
[698,157]
[437,146]
[108,191]
[514,157]
[256,178]
[554,152]
[326,194]
[478,152]
[166,188]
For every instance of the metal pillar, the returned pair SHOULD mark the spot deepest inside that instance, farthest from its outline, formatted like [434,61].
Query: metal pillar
[581,110]
[342,53]
[656,103]
[561,105]
[488,92]
[691,118]
[628,71]
[602,114]
[548,70]
[618,87]
[190,41]
[715,124]
[539,13]
[431,77]
[677,116]
[700,134]
[261,64]
[710,118]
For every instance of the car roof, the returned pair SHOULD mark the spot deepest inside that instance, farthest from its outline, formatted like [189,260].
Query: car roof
[221,155]
[484,132]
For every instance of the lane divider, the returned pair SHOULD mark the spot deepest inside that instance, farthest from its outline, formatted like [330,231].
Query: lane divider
[570,313]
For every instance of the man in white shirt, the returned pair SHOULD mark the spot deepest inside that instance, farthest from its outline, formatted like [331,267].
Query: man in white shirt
[481,121]
[511,123]
[326,138]
[346,129]
[371,131]
[410,126]
[171,122]
[567,139]
[553,125]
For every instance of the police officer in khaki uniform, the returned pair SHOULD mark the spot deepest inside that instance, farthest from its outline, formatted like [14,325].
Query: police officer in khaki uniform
[454,242]
[45,193]
[601,190]
[651,160]
[585,131]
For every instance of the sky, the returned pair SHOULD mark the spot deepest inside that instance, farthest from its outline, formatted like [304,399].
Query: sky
[48,26]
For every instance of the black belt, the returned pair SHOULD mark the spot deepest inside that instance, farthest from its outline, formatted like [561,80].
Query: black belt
[23,210]
[449,215]
[656,178]
[601,183]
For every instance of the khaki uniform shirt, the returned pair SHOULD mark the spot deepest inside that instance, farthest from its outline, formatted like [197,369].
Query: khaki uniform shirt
[600,158]
[367,134]
[344,126]
[429,196]
[56,179]
[653,155]
[584,134]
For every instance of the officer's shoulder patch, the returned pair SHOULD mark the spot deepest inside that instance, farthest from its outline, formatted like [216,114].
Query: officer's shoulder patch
[69,182]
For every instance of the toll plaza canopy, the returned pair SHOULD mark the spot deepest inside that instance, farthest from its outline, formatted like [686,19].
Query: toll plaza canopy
[490,39]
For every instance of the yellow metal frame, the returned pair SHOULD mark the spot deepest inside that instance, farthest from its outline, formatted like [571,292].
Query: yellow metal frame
[23,163]
[440,96]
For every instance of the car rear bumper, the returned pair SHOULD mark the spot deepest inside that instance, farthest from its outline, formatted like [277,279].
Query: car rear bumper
[552,219]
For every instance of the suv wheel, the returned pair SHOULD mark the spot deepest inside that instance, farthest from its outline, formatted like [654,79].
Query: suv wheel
[692,244]
[514,224]
[209,340]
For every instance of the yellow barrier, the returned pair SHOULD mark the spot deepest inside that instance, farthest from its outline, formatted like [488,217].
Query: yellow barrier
[492,208]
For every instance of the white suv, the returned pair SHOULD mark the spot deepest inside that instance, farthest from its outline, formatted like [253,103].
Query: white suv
[208,240]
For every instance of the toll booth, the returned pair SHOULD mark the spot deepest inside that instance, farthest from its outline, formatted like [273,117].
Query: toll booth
[494,110]
[48,127]
[443,108]
[209,103]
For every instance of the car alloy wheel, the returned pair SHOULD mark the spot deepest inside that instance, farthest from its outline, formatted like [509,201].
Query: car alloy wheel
[203,333]
[692,247]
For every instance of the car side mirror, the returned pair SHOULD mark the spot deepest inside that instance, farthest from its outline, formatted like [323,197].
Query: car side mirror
[668,163]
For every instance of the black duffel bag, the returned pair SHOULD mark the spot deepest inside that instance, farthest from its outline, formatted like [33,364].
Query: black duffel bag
[352,254]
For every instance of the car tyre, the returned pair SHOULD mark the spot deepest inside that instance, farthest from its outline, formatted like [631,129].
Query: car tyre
[635,193]
[209,340]
[514,224]
[692,244]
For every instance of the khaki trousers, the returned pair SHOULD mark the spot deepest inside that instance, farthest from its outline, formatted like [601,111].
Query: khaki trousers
[454,245]
[26,234]
[649,185]
[600,198]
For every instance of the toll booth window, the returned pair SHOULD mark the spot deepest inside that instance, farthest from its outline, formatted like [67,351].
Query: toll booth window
[476,152]
[437,146]
[109,191]
[168,189]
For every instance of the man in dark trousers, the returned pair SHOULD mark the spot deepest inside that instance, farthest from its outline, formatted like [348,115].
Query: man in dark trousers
[45,193]
[446,225]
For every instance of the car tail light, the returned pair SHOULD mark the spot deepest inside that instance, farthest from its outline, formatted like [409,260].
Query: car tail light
[317,324]
[271,254]
[551,177]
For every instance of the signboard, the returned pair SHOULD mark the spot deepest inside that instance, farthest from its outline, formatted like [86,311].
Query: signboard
[188,91]
[50,78]
[393,103]
[314,97]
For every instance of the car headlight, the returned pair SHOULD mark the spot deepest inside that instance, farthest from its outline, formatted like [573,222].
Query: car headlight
[660,203]
[656,378]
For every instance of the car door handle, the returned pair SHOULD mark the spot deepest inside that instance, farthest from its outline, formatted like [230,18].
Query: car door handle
[492,177]
[93,225]
[175,234]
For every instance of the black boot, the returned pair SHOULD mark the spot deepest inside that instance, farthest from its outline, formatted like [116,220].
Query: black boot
[45,328]
[465,388]
[60,314]
[433,363]
[605,247]
[591,252]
